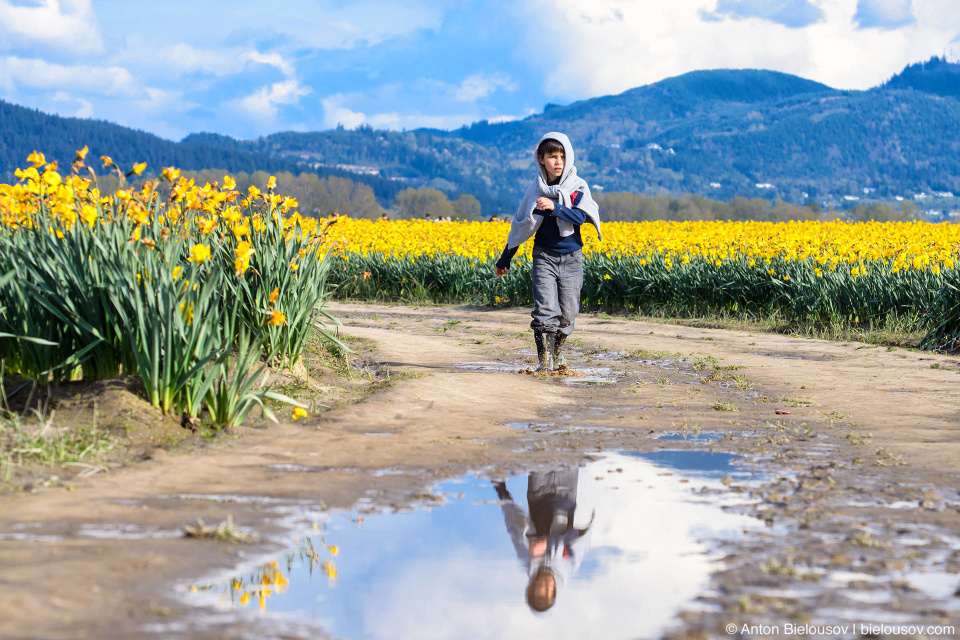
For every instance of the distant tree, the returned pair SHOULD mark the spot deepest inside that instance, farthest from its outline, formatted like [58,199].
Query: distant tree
[880,213]
[315,196]
[417,203]
[467,207]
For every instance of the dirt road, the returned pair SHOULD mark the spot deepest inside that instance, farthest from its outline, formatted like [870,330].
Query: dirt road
[859,429]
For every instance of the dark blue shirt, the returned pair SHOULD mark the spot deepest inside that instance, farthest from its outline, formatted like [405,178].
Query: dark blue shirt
[548,234]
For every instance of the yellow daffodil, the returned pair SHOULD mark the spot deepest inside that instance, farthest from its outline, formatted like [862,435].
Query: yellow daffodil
[199,254]
[36,159]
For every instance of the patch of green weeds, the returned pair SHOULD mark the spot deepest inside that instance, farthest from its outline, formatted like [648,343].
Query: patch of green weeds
[644,354]
[856,440]
[448,325]
[724,406]
[223,532]
[864,539]
[799,401]
[31,437]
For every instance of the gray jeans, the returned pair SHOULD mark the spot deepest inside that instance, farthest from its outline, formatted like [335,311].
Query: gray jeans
[557,280]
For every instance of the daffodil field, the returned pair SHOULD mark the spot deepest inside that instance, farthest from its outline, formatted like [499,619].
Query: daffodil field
[194,289]
[863,274]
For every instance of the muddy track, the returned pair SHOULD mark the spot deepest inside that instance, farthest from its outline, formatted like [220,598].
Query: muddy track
[862,461]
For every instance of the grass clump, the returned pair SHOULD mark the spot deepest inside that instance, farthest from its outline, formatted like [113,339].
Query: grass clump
[223,532]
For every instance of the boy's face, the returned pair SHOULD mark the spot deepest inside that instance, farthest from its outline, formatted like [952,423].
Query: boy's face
[553,164]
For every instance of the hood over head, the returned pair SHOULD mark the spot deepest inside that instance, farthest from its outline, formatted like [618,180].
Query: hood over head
[567,152]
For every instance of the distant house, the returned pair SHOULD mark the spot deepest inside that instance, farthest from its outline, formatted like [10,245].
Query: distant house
[943,194]
[653,146]
[715,185]
[898,198]
[921,196]
[764,185]
[597,187]
[868,190]
[613,146]
[851,198]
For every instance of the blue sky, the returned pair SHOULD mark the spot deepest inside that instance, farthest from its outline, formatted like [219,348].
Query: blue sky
[248,68]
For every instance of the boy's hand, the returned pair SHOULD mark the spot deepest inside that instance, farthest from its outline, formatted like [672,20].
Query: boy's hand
[497,271]
[546,204]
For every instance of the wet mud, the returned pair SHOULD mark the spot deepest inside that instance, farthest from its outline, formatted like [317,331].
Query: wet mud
[712,508]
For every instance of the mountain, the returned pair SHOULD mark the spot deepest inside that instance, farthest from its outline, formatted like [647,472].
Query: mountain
[937,76]
[716,133]
[719,133]
[23,130]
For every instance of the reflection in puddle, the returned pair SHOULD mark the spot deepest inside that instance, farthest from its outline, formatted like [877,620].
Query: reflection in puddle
[613,549]
[699,465]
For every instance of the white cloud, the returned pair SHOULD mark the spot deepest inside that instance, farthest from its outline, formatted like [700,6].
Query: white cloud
[351,24]
[181,58]
[884,14]
[163,100]
[32,73]
[336,112]
[68,25]
[480,86]
[177,60]
[84,107]
[264,102]
[618,44]
[271,59]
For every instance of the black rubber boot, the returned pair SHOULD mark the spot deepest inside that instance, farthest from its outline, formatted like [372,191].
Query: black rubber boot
[546,342]
[558,359]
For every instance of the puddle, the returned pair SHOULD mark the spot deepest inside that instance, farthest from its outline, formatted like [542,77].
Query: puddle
[591,376]
[491,366]
[787,356]
[569,430]
[625,551]
[126,531]
[300,468]
[696,437]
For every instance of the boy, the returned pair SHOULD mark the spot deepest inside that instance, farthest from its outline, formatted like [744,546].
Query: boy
[552,210]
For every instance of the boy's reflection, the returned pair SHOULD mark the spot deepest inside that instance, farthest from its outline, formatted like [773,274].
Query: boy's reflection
[547,541]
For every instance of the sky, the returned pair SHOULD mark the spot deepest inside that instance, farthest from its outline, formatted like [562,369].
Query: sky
[249,68]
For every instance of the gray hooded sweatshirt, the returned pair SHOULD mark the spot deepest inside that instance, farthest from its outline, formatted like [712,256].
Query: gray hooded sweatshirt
[574,206]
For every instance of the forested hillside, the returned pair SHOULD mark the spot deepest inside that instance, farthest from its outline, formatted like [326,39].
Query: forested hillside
[23,130]
[722,134]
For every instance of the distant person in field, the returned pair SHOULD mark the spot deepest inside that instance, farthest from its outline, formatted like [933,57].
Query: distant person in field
[383,216]
[551,212]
